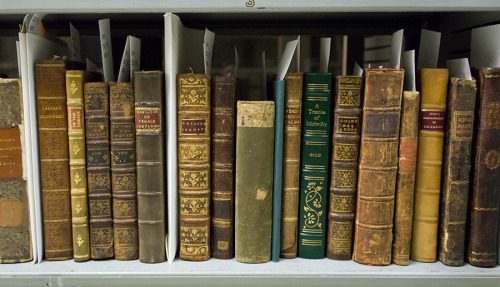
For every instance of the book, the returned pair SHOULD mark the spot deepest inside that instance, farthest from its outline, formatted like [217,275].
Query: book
[314,164]
[483,217]
[433,92]
[223,153]
[193,111]
[345,153]
[54,158]
[123,170]
[15,231]
[150,146]
[254,180]
[378,165]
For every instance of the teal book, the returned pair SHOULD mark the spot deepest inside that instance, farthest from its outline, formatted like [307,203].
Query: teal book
[314,165]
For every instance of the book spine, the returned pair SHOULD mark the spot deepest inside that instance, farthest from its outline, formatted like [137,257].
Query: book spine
[254,180]
[149,129]
[344,173]
[314,165]
[378,165]
[429,161]
[291,165]
[54,158]
[223,149]
[485,195]
[405,187]
[123,170]
[78,172]
[193,98]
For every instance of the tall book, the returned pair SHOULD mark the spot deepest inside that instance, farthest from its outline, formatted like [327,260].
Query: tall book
[254,180]
[123,170]
[434,83]
[150,146]
[98,169]
[193,98]
[405,186]
[482,246]
[50,82]
[15,233]
[344,173]
[291,165]
[456,171]
[314,164]
[223,149]
[378,165]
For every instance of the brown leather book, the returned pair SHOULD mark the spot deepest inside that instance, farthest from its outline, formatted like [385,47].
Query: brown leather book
[193,98]
[223,130]
[15,231]
[378,164]
[54,158]
[149,131]
[482,246]
[123,170]
[344,173]
[98,169]
[405,186]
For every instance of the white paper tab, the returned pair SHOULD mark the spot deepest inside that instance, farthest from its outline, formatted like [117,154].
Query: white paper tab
[236,62]
[75,53]
[324,54]
[286,59]
[409,66]
[26,23]
[208,46]
[135,56]
[106,51]
[396,44]
[35,24]
[263,76]
[485,47]
[124,72]
[91,66]
[358,71]
[428,49]
[459,68]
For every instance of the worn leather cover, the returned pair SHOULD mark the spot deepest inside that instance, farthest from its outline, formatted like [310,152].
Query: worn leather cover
[149,129]
[123,170]
[223,149]
[254,180]
[15,238]
[434,84]
[405,186]
[54,158]
[378,162]
[344,170]
[193,98]
[482,246]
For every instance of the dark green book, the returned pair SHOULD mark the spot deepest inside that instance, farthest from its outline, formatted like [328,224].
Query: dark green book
[314,165]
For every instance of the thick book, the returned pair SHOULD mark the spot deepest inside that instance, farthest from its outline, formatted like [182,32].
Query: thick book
[378,165]
[405,186]
[98,169]
[15,231]
[150,146]
[123,170]
[291,165]
[433,92]
[50,82]
[314,165]
[193,111]
[254,180]
[485,192]
[223,149]
[344,169]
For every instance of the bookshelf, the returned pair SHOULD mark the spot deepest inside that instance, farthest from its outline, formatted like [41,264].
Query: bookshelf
[265,17]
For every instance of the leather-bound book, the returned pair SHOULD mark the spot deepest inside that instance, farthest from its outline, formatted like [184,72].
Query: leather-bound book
[254,180]
[434,83]
[15,233]
[123,170]
[149,129]
[50,82]
[405,186]
[291,165]
[98,169]
[193,98]
[344,170]
[482,245]
[378,164]
[223,148]
[456,171]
